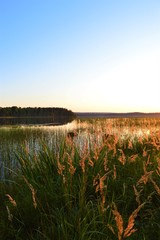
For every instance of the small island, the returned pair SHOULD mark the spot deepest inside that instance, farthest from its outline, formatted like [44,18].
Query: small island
[35,116]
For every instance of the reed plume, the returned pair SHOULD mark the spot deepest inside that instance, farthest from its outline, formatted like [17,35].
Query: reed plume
[129,230]
[32,191]
[12,201]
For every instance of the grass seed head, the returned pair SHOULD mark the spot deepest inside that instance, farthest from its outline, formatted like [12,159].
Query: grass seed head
[119,221]
[33,192]
[122,158]
[145,178]
[129,229]
[155,186]
[137,194]
[12,201]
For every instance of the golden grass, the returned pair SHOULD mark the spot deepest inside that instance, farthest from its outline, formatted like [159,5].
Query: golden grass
[33,191]
[129,230]
[12,201]
[88,171]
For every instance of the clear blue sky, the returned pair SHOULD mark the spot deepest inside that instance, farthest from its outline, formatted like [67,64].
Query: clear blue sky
[84,55]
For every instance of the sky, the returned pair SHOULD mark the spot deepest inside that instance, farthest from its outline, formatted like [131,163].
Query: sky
[83,55]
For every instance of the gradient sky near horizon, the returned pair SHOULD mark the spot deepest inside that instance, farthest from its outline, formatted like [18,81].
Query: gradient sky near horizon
[84,55]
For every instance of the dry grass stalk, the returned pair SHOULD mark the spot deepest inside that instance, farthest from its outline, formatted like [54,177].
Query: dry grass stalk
[23,162]
[12,201]
[82,164]
[114,172]
[133,158]
[96,151]
[130,145]
[95,181]
[99,183]
[10,216]
[158,172]
[137,194]
[129,229]
[61,168]
[144,152]
[145,136]
[111,228]
[26,148]
[155,186]
[158,167]
[114,151]
[90,162]
[122,158]
[115,139]
[109,146]
[147,163]
[72,169]
[33,192]
[124,233]
[140,139]
[119,221]
[111,142]
[145,178]
[105,163]
[154,143]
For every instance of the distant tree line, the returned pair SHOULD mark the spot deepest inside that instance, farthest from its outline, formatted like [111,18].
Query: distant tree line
[36,115]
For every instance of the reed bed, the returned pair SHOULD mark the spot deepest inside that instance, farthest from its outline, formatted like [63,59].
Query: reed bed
[103,184]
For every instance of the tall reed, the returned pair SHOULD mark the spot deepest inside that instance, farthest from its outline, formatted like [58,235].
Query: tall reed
[99,189]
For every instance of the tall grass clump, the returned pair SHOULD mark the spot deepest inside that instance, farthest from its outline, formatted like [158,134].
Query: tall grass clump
[106,188]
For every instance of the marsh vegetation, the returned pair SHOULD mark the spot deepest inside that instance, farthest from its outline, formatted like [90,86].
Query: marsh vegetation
[101,183]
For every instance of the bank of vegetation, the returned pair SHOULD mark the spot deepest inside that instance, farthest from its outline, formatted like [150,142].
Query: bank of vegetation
[107,188]
[37,115]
